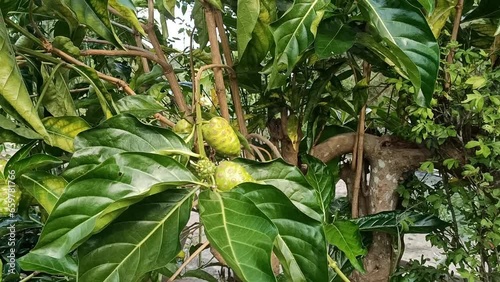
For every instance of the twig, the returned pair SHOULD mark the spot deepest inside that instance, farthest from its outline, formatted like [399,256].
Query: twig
[27,278]
[220,89]
[359,152]
[334,266]
[129,47]
[266,141]
[138,42]
[188,260]
[454,34]
[257,151]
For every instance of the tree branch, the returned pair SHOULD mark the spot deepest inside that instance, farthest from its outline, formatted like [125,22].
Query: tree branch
[454,34]
[266,141]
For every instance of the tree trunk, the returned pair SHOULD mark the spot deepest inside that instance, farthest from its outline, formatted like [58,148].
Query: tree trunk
[389,158]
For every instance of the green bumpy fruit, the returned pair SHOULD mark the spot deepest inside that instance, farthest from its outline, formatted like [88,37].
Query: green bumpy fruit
[229,174]
[205,168]
[9,198]
[183,126]
[220,135]
[65,44]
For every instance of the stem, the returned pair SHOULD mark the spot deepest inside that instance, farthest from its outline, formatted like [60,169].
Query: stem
[220,89]
[46,86]
[23,31]
[188,260]
[266,141]
[138,42]
[33,274]
[334,266]
[454,34]
[257,151]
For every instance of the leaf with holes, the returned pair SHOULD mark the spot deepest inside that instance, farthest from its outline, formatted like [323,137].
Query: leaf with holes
[92,201]
[63,130]
[46,188]
[240,232]
[143,238]
[404,25]
[290,180]
[300,243]
[345,236]
[122,133]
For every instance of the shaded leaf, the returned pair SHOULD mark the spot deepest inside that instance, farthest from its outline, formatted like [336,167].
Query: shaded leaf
[345,236]
[240,232]
[128,13]
[19,222]
[438,18]
[140,106]
[12,132]
[428,5]
[63,130]
[66,266]
[248,14]
[12,87]
[19,155]
[143,238]
[300,241]
[290,180]
[404,25]
[122,133]
[321,177]
[333,38]
[92,201]
[57,99]
[485,9]
[44,187]
[33,162]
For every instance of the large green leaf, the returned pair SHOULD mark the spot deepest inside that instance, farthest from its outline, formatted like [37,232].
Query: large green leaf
[13,132]
[241,233]
[46,188]
[404,24]
[333,38]
[485,9]
[122,133]
[93,200]
[21,154]
[438,18]
[397,222]
[248,14]
[34,162]
[63,130]
[140,106]
[290,180]
[293,33]
[94,14]
[345,236]
[57,266]
[12,87]
[300,241]
[143,238]
[321,177]
[57,99]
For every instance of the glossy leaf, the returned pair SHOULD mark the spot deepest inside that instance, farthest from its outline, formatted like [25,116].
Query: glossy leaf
[21,154]
[240,232]
[12,132]
[404,25]
[290,180]
[300,241]
[33,162]
[63,130]
[140,106]
[396,222]
[66,266]
[293,33]
[428,5]
[57,99]
[122,133]
[438,18]
[321,177]
[93,200]
[46,188]
[143,238]
[485,9]
[333,38]
[12,87]
[248,14]
[345,236]
[95,15]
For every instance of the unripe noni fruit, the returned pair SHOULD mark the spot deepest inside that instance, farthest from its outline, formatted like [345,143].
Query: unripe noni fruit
[229,174]
[205,168]
[9,198]
[183,126]
[220,135]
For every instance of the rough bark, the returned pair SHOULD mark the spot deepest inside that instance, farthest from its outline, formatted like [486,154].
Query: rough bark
[389,158]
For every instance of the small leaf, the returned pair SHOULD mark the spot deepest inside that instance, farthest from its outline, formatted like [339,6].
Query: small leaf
[241,233]
[345,236]
[93,200]
[63,130]
[292,128]
[61,266]
[390,222]
[476,82]
[143,238]
[44,187]
[140,106]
